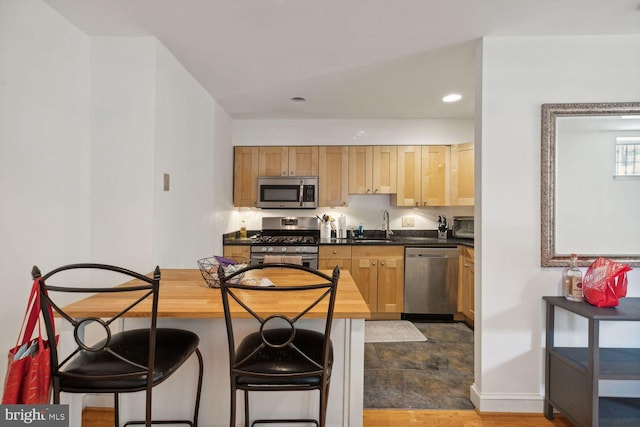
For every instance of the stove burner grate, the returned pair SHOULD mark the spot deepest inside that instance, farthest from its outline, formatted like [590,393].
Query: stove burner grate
[287,240]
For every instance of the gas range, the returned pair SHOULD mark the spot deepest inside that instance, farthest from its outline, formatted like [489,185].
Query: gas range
[288,236]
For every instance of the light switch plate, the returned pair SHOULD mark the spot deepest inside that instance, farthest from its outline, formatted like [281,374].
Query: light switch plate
[165,182]
[408,221]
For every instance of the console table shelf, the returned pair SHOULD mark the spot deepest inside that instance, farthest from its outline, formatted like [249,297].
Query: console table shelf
[572,373]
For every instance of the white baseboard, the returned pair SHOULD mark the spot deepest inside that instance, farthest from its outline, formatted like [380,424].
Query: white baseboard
[507,402]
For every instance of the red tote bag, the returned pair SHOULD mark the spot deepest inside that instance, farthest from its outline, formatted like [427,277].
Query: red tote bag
[28,379]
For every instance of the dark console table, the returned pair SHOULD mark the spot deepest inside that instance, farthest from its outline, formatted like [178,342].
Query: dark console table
[572,373]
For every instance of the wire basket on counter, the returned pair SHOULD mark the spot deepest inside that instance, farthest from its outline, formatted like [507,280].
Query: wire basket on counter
[209,268]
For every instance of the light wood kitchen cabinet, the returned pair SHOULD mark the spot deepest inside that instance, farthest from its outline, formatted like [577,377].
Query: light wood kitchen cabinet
[237,252]
[333,176]
[423,176]
[245,177]
[466,283]
[330,256]
[408,191]
[462,174]
[435,175]
[288,161]
[373,169]
[385,169]
[379,274]
[360,169]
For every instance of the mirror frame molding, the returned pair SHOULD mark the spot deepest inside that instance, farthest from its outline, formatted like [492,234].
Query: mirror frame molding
[550,112]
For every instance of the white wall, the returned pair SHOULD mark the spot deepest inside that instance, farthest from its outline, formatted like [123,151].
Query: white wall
[44,151]
[518,75]
[362,209]
[122,150]
[87,127]
[352,132]
[191,133]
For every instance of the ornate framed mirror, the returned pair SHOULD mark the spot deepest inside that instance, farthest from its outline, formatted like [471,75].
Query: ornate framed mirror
[590,192]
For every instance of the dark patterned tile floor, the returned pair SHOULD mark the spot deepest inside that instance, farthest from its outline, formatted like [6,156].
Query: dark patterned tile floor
[435,374]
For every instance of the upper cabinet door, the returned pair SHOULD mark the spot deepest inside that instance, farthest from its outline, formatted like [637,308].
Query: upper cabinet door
[245,177]
[462,181]
[409,168]
[435,175]
[303,161]
[274,161]
[360,169]
[333,176]
[385,169]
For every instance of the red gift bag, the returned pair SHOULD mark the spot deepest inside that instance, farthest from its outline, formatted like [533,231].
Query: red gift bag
[28,379]
[605,282]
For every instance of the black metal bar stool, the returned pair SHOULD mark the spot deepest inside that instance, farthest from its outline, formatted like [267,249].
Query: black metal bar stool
[120,362]
[279,355]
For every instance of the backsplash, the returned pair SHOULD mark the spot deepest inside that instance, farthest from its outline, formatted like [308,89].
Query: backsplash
[365,210]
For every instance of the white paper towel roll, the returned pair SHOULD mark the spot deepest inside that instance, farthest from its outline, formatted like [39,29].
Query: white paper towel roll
[342,226]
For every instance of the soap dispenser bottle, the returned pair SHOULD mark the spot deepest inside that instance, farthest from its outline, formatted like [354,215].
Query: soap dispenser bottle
[243,231]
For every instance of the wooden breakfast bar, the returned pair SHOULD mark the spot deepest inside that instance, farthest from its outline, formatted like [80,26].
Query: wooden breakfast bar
[187,302]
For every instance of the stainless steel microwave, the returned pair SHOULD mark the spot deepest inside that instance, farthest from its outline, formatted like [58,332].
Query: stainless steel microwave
[288,192]
[463,227]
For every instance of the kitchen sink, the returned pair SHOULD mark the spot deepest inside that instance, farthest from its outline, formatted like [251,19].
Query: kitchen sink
[365,240]
[410,239]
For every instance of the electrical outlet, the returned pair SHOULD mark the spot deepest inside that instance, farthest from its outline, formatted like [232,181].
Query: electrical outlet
[165,182]
[408,221]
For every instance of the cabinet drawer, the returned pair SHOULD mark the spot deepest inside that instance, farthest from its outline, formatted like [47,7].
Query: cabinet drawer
[377,251]
[237,251]
[331,252]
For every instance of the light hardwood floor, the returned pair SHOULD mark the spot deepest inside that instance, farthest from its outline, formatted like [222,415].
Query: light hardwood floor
[99,417]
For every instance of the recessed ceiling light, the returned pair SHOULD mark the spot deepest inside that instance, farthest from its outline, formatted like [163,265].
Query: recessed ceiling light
[298,99]
[452,97]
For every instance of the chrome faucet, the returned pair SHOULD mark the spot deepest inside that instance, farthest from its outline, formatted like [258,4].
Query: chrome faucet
[385,225]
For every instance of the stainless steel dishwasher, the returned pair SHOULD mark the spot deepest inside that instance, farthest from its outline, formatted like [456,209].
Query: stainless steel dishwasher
[431,280]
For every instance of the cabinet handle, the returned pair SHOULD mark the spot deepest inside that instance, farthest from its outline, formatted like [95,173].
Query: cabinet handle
[417,203]
[284,173]
[381,262]
[368,190]
[375,191]
[373,263]
[466,265]
[335,252]
[292,173]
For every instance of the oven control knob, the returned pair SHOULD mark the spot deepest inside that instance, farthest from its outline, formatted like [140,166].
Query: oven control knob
[284,249]
[270,249]
[263,249]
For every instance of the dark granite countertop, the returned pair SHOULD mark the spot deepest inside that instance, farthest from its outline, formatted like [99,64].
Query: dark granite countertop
[399,241]
[372,238]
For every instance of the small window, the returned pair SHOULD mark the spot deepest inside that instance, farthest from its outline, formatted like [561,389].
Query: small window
[628,156]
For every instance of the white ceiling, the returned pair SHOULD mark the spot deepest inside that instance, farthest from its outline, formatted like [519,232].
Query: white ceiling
[349,58]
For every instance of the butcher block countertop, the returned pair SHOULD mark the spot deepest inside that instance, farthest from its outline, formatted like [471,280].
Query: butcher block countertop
[184,294]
